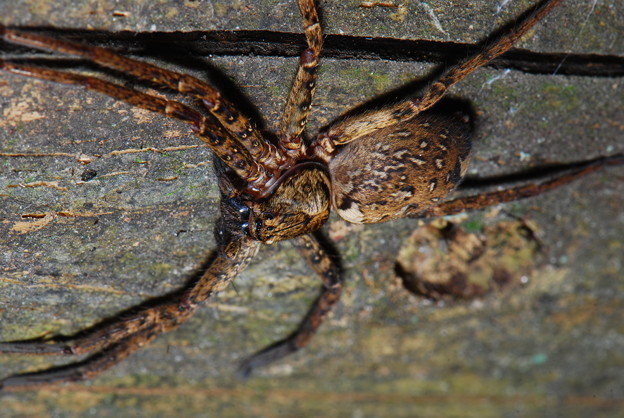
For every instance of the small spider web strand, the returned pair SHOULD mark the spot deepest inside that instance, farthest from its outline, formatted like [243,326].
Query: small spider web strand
[438,89]
[367,123]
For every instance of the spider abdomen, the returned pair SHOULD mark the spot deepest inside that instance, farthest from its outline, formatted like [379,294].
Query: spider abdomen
[398,169]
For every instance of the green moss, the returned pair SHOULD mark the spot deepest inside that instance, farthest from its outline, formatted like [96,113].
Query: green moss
[507,93]
[558,97]
[379,81]
[160,269]
[278,90]
[474,224]
[13,141]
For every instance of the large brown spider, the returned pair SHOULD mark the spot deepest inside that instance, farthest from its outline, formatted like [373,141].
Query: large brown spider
[374,166]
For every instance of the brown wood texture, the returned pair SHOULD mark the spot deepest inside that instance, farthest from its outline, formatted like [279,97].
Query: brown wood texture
[73,251]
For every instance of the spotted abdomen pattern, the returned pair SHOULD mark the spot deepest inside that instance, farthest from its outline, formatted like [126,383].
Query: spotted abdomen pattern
[399,169]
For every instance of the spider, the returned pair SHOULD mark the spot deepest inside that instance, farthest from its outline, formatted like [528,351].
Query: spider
[398,161]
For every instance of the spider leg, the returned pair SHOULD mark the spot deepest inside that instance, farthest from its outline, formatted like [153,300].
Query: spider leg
[300,98]
[91,341]
[113,342]
[321,261]
[224,111]
[438,89]
[355,127]
[461,204]
[83,370]
[223,144]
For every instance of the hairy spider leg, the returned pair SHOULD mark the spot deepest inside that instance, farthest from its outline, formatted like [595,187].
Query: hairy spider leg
[352,128]
[326,267]
[84,370]
[225,112]
[299,101]
[113,342]
[222,142]
[461,204]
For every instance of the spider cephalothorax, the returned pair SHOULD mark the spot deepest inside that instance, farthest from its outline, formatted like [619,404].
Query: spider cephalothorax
[397,161]
[300,204]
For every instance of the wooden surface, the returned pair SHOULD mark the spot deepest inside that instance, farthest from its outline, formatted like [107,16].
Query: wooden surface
[73,252]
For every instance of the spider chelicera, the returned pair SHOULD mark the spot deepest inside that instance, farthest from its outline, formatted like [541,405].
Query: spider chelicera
[373,166]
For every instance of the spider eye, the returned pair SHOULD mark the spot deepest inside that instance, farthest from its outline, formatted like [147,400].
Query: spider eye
[241,208]
[258,227]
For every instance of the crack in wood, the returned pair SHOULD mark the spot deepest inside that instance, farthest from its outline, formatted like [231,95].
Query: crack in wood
[344,47]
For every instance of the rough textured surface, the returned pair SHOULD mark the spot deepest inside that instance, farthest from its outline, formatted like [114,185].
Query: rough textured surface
[73,252]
